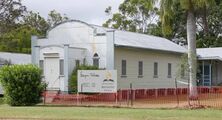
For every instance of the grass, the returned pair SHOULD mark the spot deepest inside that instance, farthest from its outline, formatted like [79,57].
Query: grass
[93,113]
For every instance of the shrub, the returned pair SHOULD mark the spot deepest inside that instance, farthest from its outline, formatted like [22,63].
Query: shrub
[73,79]
[1,100]
[22,84]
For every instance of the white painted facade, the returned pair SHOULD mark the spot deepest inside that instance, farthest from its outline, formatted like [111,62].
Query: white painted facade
[75,40]
[147,80]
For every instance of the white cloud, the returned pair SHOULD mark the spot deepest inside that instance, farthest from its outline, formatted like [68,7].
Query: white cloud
[91,11]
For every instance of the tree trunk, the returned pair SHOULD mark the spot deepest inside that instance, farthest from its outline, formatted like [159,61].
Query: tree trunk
[205,23]
[192,57]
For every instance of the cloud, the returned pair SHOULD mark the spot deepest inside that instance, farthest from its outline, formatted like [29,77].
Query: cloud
[91,11]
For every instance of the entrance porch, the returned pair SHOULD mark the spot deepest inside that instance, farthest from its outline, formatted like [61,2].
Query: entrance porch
[210,72]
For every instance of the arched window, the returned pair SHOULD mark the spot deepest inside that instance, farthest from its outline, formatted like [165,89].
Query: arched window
[96,60]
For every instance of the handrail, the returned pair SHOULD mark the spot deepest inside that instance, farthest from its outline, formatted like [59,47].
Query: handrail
[55,82]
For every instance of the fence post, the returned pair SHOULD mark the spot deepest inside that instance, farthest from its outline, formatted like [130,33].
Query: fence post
[128,96]
[120,96]
[81,92]
[116,98]
[77,98]
[131,93]
[176,92]
[44,97]
[45,91]
[156,93]
[165,92]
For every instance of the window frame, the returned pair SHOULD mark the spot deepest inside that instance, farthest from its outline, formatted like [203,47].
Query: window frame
[123,68]
[61,67]
[96,60]
[169,70]
[140,69]
[155,70]
[41,66]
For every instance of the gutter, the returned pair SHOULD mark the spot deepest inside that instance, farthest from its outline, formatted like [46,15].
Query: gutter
[133,47]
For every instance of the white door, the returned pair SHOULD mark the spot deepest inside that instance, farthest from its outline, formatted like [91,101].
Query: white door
[52,73]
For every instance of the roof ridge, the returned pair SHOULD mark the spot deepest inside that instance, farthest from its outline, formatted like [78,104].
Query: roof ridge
[130,32]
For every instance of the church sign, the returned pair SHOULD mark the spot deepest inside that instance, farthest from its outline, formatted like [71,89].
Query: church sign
[97,81]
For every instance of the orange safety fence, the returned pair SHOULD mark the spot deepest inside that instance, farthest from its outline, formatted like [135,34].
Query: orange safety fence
[140,98]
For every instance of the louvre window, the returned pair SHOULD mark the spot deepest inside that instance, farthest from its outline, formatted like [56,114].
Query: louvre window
[155,70]
[169,70]
[123,73]
[41,65]
[140,69]
[61,65]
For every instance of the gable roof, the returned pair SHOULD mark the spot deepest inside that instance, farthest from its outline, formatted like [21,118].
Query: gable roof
[143,41]
[136,40]
[210,53]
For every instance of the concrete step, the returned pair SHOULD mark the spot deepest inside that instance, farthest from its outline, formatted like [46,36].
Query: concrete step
[50,96]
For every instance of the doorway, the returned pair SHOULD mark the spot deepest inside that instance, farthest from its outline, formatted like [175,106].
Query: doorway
[52,73]
[205,71]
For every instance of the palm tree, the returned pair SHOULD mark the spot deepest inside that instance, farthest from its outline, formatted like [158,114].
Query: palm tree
[190,7]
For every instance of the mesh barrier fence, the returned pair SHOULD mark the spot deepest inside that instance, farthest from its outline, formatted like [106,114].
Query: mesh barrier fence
[140,98]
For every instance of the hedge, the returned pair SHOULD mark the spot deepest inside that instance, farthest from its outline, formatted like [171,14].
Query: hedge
[73,79]
[22,84]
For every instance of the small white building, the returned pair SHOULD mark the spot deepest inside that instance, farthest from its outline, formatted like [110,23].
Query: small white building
[145,61]
[13,58]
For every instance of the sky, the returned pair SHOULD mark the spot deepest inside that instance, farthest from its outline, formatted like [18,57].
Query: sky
[90,11]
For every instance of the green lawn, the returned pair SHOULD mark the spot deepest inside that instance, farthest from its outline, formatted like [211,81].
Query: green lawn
[90,113]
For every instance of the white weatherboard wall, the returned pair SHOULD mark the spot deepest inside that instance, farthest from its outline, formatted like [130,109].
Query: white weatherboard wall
[75,40]
[75,54]
[83,42]
[133,56]
[78,35]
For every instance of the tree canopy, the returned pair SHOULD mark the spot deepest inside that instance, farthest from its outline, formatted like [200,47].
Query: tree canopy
[134,15]
[17,25]
[143,16]
[208,32]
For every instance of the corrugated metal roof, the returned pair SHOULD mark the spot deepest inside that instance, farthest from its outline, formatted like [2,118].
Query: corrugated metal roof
[210,53]
[123,38]
[16,58]
[138,40]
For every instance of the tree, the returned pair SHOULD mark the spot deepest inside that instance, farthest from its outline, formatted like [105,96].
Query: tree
[17,40]
[190,7]
[10,12]
[134,15]
[55,18]
[18,37]
[120,22]
[214,30]
[35,21]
